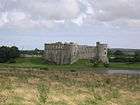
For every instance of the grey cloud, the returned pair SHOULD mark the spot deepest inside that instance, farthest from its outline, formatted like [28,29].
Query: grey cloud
[49,9]
[47,12]
[109,10]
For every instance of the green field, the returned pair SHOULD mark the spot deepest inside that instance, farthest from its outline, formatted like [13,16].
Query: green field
[79,65]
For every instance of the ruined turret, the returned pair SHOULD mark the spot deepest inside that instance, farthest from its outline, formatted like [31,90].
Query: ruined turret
[101,53]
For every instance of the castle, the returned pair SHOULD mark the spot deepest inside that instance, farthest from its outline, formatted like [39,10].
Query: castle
[68,53]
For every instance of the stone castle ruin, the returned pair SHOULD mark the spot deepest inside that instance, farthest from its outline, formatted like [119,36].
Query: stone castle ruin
[68,53]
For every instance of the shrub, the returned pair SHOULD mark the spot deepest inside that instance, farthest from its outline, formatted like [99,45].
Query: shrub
[115,93]
[137,56]
[95,62]
[73,70]
[43,90]
[12,60]
[106,65]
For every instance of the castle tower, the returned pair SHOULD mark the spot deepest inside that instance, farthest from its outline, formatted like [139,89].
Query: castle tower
[101,52]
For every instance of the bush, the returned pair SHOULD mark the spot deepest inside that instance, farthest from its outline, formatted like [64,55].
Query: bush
[72,70]
[2,60]
[137,56]
[95,62]
[4,56]
[106,65]
[126,59]
[130,60]
[12,60]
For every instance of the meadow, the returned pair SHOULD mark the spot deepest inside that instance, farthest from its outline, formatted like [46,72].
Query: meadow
[59,87]
[39,63]
[30,81]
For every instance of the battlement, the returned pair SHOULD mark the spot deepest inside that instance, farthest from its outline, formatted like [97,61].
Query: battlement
[59,46]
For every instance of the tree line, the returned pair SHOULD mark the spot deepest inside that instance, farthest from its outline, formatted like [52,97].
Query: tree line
[8,54]
[120,56]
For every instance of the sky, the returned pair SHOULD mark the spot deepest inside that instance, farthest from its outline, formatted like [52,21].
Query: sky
[28,24]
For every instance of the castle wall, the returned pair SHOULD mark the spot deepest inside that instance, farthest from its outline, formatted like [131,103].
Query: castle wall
[86,52]
[61,53]
[69,53]
[74,53]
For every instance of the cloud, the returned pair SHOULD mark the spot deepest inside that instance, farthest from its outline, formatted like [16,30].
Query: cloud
[134,23]
[49,9]
[115,9]
[53,9]
[28,14]
[35,12]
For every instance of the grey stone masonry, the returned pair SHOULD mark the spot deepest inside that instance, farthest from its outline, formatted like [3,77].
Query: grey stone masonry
[68,53]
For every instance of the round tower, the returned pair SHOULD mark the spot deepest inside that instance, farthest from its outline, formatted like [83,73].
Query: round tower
[101,52]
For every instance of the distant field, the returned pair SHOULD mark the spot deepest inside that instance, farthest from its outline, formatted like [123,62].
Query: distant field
[36,62]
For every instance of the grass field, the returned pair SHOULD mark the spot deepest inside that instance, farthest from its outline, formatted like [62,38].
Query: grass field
[30,81]
[56,87]
[80,65]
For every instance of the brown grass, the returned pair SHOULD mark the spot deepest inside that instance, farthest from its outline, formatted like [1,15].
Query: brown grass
[68,88]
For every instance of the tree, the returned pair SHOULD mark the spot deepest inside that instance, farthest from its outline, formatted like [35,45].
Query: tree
[8,54]
[119,56]
[118,53]
[109,53]
[137,56]
[14,52]
[4,56]
[36,52]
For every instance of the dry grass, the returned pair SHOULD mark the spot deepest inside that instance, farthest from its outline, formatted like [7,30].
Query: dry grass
[67,88]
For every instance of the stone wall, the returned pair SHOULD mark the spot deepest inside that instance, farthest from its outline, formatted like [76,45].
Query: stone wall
[69,53]
[86,52]
[60,53]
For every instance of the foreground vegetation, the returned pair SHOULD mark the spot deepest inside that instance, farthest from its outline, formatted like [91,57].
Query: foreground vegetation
[59,87]
[39,63]
[30,81]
